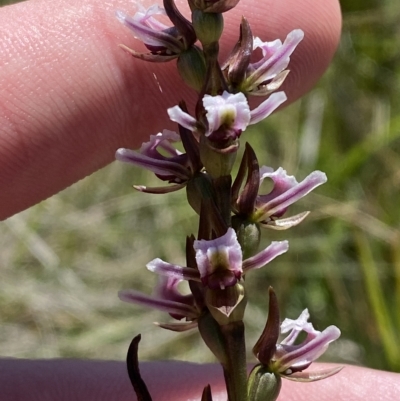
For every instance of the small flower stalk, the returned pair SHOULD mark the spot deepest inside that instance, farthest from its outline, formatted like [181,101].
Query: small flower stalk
[232,209]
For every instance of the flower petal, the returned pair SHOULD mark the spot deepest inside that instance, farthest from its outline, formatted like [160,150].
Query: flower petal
[145,16]
[301,356]
[174,308]
[149,35]
[163,168]
[265,89]
[307,377]
[284,224]
[228,109]
[177,115]
[267,107]
[159,190]
[221,255]
[167,288]
[297,326]
[179,327]
[275,59]
[163,141]
[262,258]
[286,191]
[167,269]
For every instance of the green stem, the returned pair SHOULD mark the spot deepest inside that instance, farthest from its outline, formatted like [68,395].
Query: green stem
[235,371]
[216,82]
[222,192]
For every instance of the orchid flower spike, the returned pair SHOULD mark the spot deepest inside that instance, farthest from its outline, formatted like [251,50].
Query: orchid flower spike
[159,156]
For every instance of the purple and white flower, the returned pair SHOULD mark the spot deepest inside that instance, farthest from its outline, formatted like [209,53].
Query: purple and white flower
[286,190]
[268,73]
[228,115]
[159,156]
[228,111]
[286,358]
[164,42]
[220,263]
[220,267]
[290,359]
[167,298]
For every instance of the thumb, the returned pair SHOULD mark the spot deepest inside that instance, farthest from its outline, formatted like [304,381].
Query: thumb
[71,96]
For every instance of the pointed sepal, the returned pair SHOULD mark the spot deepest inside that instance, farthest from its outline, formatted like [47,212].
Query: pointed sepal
[132,363]
[266,344]
[236,65]
[308,377]
[207,396]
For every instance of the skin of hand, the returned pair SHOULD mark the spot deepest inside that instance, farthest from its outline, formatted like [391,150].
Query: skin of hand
[70,380]
[70,96]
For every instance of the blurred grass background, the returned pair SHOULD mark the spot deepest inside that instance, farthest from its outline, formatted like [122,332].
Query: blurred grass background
[64,260]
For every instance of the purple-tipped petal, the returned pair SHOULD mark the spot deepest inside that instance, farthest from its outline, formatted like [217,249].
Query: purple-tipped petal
[282,182]
[167,269]
[162,141]
[175,308]
[177,115]
[271,252]
[145,16]
[167,288]
[163,168]
[268,49]
[162,158]
[300,357]
[297,326]
[149,31]
[267,107]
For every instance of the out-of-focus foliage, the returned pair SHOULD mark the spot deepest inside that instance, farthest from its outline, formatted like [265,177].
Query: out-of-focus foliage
[64,260]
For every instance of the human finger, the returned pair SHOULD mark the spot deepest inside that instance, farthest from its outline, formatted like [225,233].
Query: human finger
[71,96]
[77,380]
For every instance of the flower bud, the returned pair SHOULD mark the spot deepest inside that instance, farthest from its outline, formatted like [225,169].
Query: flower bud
[192,67]
[208,27]
[248,235]
[263,385]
